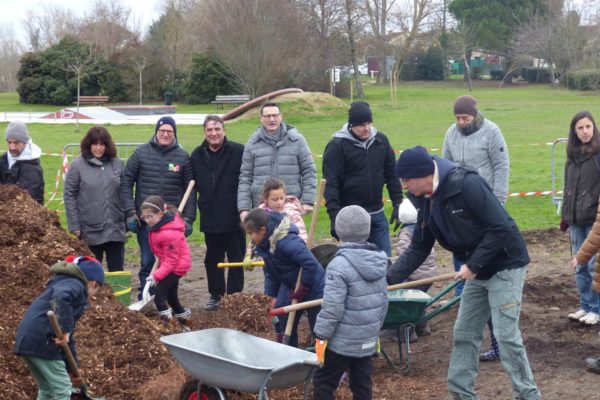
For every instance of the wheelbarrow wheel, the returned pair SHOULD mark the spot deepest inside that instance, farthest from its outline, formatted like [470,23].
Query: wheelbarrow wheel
[189,391]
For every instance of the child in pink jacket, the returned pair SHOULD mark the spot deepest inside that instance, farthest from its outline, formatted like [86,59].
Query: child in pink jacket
[168,243]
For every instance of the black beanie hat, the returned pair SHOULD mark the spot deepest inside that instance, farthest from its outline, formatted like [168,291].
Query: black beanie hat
[414,163]
[359,113]
[465,105]
[166,120]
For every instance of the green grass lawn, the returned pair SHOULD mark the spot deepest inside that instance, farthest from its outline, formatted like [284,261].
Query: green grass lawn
[529,117]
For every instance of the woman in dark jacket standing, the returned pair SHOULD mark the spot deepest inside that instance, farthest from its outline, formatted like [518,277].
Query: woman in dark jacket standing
[580,205]
[92,202]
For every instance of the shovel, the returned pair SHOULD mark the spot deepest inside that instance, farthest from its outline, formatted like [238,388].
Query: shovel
[145,304]
[84,391]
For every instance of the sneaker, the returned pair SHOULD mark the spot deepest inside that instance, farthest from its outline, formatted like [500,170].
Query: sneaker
[212,304]
[593,365]
[590,318]
[577,315]
[489,356]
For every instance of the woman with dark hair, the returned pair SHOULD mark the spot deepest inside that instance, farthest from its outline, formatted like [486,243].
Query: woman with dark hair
[580,205]
[92,202]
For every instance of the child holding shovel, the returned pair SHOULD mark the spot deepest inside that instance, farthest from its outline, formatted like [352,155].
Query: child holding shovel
[353,310]
[67,294]
[167,241]
[285,255]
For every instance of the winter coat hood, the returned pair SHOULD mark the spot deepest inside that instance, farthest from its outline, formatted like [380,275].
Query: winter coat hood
[366,259]
[344,133]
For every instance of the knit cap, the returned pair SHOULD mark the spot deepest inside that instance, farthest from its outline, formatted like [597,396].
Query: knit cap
[91,268]
[166,120]
[17,131]
[465,105]
[359,113]
[414,163]
[353,224]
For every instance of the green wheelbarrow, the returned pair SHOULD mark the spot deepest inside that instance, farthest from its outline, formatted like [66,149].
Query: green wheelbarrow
[406,309]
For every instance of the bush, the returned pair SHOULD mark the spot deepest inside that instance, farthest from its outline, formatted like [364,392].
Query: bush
[585,79]
[536,75]
[497,75]
[208,78]
[430,66]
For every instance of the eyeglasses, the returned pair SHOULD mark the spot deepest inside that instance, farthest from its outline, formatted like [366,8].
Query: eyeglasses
[165,131]
[269,116]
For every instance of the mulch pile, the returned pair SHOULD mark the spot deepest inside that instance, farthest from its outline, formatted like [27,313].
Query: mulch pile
[119,350]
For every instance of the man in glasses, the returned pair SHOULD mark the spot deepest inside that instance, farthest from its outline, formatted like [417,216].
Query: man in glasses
[159,167]
[276,150]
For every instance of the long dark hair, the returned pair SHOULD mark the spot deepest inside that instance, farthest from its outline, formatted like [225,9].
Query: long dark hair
[98,134]
[255,220]
[574,145]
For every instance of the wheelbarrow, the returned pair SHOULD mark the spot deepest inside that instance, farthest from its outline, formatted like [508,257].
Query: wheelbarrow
[406,309]
[225,359]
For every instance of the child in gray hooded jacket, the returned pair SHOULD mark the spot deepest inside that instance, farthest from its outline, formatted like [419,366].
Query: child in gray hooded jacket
[354,307]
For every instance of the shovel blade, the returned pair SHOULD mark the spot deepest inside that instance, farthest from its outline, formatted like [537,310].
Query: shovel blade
[143,306]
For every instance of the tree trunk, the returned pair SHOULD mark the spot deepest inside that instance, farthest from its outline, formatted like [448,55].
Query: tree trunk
[359,89]
[467,71]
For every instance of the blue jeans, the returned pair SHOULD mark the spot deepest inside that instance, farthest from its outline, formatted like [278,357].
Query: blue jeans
[458,289]
[146,256]
[589,300]
[380,233]
[500,296]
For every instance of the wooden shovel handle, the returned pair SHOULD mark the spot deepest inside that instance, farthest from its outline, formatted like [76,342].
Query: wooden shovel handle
[59,334]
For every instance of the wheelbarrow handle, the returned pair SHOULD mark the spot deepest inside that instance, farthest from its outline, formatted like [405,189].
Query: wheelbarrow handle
[59,334]
[405,285]
[240,264]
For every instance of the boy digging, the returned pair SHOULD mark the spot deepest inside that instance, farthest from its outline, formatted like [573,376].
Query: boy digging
[354,307]
[74,281]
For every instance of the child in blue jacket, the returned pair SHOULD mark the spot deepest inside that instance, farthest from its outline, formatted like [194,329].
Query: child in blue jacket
[285,255]
[67,294]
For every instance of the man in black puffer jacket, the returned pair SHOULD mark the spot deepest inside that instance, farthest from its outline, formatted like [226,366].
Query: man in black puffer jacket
[160,167]
[459,210]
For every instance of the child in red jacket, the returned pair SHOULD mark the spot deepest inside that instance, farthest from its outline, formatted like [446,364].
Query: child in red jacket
[167,241]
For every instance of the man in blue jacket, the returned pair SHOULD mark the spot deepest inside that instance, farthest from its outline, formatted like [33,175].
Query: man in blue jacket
[67,294]
[459,210]
[160,167]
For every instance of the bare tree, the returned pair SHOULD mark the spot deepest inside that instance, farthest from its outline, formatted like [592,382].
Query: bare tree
[47,26]
[377,11]
[10,52]
[461,45]
[350,8]
[259,41]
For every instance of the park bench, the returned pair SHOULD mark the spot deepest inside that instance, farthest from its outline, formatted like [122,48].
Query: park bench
[98,100]
[231,99]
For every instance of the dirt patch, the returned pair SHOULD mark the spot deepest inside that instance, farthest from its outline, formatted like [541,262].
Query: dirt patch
[122,357]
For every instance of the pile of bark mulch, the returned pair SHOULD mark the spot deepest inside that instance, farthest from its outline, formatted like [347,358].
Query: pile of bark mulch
[119,350]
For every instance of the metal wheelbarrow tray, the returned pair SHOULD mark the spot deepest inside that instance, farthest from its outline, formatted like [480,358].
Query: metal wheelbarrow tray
[229,359]
[406,309]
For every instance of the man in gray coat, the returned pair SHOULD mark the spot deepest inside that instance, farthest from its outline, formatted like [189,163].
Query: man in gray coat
[475,141]
[276,150]
[354,307]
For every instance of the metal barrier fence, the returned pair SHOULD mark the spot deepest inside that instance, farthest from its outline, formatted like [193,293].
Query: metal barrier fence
[558,178]
[71,151]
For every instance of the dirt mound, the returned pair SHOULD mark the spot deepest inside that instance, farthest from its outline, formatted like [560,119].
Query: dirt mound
[119,350]
[305,103]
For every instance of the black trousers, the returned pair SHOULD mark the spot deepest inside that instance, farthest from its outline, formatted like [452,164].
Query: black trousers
[327,379]
[115,254]
[166,291]
[219,245]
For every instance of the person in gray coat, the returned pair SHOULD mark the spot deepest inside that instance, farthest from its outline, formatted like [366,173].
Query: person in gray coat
[276,150]
[92,203]
[354,306]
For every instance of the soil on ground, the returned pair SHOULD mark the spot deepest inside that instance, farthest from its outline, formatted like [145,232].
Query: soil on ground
[122,358]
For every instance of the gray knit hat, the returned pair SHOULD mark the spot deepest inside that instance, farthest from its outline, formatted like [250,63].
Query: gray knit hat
[353,224]
[17,131]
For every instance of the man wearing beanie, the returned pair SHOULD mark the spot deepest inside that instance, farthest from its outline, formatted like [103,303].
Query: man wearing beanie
[160,167]
[276,150]
[357,163]
[20,165]
[354,307]
[72,285]
[475,141]
[459,210]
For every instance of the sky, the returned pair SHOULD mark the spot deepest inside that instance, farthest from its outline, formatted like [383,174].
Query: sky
[13,12]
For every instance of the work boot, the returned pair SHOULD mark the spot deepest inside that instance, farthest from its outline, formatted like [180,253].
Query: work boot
[184,318]
[454,396]
[593,365]
[423,329]
[166,316]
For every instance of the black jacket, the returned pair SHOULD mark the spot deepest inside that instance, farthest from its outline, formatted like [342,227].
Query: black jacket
[27,174]
[582,189]
[156,170]
[217,190]
[356,172]
[467,219]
